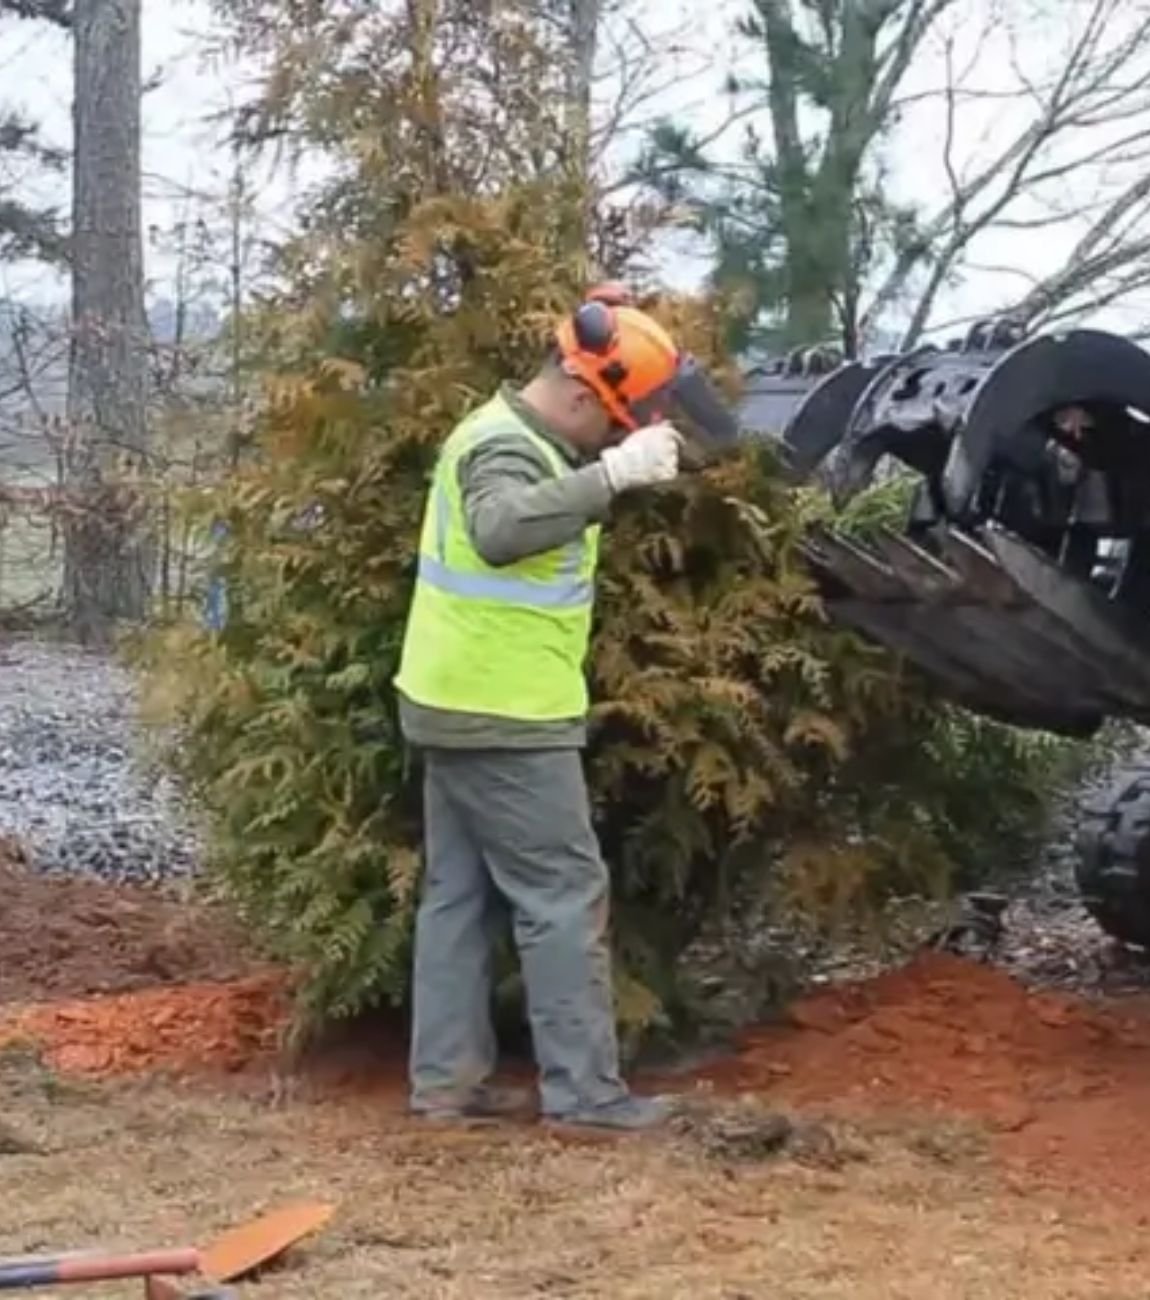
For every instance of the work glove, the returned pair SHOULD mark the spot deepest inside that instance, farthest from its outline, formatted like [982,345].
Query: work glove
[646,457]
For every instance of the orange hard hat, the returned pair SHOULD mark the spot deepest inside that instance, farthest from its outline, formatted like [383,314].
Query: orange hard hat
[623,355]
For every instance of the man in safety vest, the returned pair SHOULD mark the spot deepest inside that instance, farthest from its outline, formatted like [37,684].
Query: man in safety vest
[492,692]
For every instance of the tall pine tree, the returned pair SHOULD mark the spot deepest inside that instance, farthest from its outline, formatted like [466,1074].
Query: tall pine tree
[799,216]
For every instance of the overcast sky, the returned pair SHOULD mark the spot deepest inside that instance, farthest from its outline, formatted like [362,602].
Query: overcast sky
[182,152]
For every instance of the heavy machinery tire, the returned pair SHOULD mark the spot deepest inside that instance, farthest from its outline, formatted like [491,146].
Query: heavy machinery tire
[1113,861]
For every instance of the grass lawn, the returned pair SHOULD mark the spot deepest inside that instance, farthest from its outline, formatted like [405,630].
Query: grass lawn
[911,1211]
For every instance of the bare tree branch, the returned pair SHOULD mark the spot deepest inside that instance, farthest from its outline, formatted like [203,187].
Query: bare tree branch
[921,17]
[1099,253]
[52,11]
[1099,88]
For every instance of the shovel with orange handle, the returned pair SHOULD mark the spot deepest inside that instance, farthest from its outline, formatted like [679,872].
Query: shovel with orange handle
[233,1255]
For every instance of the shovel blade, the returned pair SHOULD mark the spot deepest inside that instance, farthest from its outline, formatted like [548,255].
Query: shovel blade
[237,1253]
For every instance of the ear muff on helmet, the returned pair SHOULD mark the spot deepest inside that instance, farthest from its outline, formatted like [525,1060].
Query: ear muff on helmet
[595,328]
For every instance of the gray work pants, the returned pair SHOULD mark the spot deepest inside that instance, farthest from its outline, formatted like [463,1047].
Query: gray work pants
[514,824]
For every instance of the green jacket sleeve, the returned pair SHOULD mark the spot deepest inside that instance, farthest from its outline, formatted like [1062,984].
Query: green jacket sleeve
[514,507]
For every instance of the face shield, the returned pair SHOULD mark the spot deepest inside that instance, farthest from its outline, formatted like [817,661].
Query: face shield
[690,394]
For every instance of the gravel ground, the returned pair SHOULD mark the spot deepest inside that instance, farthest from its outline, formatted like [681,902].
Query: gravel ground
[1047,939]
[1050,940]
[71,790]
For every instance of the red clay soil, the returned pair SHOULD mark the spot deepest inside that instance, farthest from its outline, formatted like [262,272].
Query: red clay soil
[1064,1083]
[66,937]
[191,1029]
[115,980]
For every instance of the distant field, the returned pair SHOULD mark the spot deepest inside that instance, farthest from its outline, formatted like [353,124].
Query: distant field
[32,553]
[31,556]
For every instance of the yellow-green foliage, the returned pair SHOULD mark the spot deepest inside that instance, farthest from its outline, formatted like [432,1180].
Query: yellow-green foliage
[724,703]
[289,730]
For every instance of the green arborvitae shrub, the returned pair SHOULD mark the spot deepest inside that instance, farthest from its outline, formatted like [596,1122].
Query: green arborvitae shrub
[733,726]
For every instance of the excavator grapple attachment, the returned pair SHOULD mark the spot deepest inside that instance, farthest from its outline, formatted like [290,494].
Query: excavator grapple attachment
[993,622]
[1020,582]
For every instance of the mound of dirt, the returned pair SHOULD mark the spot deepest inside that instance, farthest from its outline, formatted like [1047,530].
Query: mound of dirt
[63,938]
[113,981]
[191,1029]
[1064,1082]
[110,979]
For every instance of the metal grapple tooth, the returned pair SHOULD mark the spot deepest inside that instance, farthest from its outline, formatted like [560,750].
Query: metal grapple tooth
[983,576]
[821,418]
[929,578]
[1106,635]
[854,566]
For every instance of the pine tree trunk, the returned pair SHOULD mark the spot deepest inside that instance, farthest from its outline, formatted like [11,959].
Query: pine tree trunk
[108,557]
[583,37]
[818,266]
[583,34]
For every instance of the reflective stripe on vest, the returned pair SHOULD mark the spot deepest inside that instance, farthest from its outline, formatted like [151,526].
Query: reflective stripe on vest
[566,591]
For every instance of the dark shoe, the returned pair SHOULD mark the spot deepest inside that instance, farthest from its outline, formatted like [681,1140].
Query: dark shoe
[626,1115]
[483,1104]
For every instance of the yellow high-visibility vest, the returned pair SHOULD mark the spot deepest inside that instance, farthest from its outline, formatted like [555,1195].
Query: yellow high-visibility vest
[511,641]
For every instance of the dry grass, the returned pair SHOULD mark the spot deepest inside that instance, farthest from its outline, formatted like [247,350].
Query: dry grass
[442,1215]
